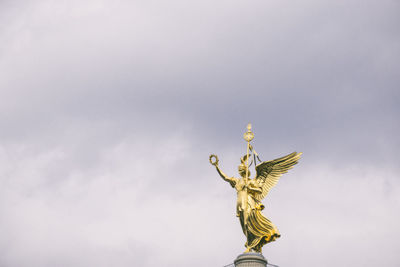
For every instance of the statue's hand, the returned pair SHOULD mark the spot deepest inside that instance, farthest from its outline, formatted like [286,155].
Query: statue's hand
[215,162]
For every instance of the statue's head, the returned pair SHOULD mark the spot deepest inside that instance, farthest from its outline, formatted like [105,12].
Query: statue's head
[242,167]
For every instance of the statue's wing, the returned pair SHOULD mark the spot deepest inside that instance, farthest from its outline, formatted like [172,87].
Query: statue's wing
[269,172]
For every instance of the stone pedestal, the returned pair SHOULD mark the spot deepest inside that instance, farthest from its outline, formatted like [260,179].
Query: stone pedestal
[250,260]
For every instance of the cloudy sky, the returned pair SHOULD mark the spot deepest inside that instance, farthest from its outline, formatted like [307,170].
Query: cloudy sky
[109,111]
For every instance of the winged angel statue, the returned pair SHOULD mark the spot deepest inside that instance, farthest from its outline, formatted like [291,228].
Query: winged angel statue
[256,227]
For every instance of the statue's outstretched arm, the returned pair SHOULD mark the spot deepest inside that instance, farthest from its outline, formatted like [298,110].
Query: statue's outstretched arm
[222,174]
[231,180]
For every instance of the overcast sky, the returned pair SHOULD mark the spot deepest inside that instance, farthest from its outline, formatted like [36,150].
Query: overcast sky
[109,111]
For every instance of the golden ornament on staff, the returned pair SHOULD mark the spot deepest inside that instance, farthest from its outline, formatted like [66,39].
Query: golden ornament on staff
[256,227]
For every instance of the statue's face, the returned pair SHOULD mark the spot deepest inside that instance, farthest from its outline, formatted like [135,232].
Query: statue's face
[242,170]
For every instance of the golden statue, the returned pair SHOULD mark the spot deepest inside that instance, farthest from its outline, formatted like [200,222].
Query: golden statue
[256,227]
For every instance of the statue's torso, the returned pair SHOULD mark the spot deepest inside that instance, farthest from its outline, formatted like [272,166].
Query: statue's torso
[241,196]
[245,199]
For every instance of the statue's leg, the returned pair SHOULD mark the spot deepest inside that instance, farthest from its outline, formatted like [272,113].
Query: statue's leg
[242,223]
[244,228]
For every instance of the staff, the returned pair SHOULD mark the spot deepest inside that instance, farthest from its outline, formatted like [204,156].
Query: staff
[248,136]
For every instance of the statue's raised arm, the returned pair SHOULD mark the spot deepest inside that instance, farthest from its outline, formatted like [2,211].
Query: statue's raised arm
[231,180]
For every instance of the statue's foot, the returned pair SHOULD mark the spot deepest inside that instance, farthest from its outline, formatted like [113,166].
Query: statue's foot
[247,250]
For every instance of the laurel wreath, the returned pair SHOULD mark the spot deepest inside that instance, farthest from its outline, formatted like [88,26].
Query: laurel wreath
[215,162]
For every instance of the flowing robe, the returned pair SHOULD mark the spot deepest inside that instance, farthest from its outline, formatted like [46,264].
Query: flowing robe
[257,228]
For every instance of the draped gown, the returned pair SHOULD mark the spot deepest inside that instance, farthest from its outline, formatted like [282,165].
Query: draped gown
[257,228]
